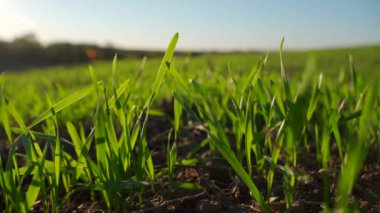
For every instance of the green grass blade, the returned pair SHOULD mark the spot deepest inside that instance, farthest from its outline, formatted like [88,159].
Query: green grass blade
[183,185]
[73,98]
[283,73]
[357,152]
[163,66]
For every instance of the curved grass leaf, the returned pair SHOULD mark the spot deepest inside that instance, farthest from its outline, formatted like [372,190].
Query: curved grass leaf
[73,98]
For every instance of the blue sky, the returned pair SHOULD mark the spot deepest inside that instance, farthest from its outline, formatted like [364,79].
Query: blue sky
[203,25]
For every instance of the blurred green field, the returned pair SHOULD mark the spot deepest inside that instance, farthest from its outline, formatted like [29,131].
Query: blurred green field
[29,89]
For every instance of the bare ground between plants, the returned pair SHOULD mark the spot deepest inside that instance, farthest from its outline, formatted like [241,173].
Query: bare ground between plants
[222,189]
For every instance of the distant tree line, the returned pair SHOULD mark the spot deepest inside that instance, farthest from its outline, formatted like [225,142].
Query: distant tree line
[26,52]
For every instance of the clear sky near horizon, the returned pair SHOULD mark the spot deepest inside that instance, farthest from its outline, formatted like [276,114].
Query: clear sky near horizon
[203,25]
